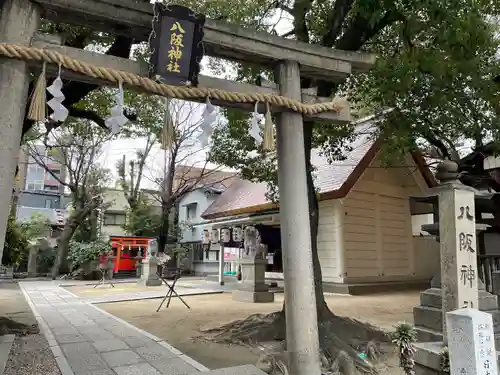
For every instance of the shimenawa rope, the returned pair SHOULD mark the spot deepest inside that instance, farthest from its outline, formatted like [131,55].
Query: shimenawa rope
[178,92]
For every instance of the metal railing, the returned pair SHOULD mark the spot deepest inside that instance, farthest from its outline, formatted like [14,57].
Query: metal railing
[486,265]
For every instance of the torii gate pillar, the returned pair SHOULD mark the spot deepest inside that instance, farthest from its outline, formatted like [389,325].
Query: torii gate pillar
[19,20]
[302,342]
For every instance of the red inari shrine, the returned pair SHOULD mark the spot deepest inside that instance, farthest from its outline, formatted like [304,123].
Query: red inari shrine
[126,249]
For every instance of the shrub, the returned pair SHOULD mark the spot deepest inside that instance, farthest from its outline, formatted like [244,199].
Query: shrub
[16,244]
[81,253]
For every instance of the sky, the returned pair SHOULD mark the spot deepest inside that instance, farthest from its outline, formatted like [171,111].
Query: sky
[114,151]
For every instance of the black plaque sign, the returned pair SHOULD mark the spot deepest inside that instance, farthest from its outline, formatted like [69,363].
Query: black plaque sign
[177,44]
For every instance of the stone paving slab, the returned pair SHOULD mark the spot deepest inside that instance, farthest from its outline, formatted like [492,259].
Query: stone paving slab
[87,340]
[238,370]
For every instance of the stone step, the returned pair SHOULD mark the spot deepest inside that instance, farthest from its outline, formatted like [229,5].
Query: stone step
[428,335]
[432,318]
[124,275]
[428,317]
[237,370]
[432,298]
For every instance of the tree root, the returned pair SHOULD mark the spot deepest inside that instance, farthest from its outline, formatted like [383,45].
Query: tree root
[9,326]
[347,346]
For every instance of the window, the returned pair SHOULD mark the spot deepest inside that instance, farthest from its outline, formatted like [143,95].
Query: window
[51,188]
[34,185]
[114,219]
[48,203]
[191,211]
[35,173]
[197,252]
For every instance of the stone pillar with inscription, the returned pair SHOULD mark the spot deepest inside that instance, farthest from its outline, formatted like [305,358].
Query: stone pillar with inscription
[458,287]
[428,315]
[457,232]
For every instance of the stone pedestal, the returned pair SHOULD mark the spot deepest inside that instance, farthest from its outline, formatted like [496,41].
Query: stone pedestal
[149,276]
[428,316]
[138,265]
[110,267]
[32,266]
[253,287]
[428,358]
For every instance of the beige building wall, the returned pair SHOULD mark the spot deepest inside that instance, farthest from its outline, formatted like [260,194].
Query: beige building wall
[327,240]
[117,211]
[378,238]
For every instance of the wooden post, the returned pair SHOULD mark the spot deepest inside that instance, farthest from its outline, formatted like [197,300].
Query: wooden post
[300,302]
[118,257]
[19,20]
[221,261]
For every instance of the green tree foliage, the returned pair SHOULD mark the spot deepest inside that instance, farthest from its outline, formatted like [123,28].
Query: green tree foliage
[81,253]
[20,235]
[436,61]
[143,220]
[435,70]
[16,243]
[38,226]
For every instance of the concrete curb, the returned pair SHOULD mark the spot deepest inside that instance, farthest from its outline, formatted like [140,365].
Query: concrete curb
[131,299]
[6,342]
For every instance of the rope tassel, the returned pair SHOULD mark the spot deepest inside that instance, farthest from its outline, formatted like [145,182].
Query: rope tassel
[37,110]
[268,143]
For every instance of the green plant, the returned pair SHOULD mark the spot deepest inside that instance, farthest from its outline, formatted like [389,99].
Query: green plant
[45,259]
[81,253]
[445,362]
[405,338]
[37,226]
[143,220]
[16,244]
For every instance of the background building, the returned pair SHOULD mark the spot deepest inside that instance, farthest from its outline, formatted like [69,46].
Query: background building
[37,187]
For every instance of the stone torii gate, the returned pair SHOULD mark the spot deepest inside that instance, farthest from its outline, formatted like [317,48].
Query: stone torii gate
[19,21]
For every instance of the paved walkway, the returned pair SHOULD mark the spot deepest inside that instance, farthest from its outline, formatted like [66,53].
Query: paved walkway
[86,340]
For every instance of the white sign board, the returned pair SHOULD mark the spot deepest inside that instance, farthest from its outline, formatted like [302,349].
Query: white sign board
[471,342]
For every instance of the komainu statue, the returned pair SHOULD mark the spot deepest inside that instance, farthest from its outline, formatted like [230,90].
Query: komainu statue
[253,248]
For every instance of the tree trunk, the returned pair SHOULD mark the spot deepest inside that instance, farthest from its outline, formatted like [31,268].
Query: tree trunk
[93,226]
[63,248]
[323,311]
[163,237]
[61,262]
[13,204]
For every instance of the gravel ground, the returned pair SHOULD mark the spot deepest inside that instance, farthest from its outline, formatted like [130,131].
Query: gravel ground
[31,355]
